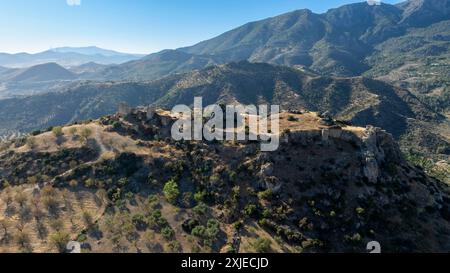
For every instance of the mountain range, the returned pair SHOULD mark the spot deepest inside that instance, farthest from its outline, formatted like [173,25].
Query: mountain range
[67,57]
[337,42]
[405,44]
[360,100]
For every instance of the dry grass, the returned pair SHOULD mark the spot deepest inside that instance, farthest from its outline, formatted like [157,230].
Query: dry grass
[44,213]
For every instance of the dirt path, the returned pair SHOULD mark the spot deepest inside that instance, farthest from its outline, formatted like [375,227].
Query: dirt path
[99,140]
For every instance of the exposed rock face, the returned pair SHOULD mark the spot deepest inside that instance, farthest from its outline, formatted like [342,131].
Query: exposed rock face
[372,154]
[268,181]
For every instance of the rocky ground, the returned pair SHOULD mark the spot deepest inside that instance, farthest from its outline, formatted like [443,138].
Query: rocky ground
[121,184]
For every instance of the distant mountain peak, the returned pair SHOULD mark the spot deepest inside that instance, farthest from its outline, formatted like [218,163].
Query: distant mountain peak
[44,72]
[67,57]
[89,50]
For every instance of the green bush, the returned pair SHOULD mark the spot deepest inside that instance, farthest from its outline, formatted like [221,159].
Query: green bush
[199,196]
[57,131]
[60,240]
[200,209]
[88,219]
[265,195]
[157,221]
[139,221]
[267,214]
[250,210]
[262,245]
[209,233]
[171,191]
[86,133]
[212,229]
[168,233]
[360,211]
[122,182]
[89,183]
[199,231]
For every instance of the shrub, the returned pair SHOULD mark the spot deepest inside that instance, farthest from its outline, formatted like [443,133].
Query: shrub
[174,246]
[89,183]
[60,240]
[129,195]
[88,219]
[360,211]
[171,191]
[213,228]
[73,131]
[250,209]
[86,133]
[152,202]
[156,220]
[199,196]
[139,221]
[355,238]
[73,183]
[167,233]
[267,214]
[214,179]
[238,225]
[311,243]
[57,131]
[23,239]
[51,203]
[199,231]
[21,198]
[48,191]
[122,182]
[233,176]
[262,245]
[200,209]
[82,238]
[265,195]
[209,233]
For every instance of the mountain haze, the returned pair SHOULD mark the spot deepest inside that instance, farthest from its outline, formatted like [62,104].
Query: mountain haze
[66,57]
[44,72]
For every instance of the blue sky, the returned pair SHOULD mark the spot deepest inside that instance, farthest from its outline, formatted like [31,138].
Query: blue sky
[137,26]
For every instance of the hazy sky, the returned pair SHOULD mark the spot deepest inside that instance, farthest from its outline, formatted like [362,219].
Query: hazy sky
[137,26]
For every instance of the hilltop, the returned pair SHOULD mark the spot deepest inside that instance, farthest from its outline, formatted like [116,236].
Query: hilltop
[44,72]
[121,184]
